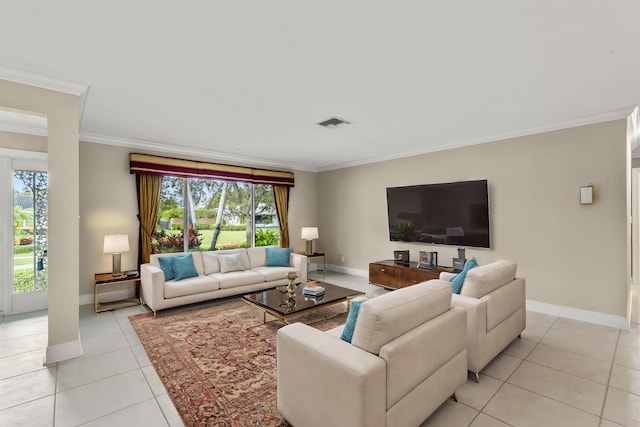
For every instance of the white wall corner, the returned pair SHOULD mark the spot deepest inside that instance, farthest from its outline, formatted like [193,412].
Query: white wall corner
[60,352]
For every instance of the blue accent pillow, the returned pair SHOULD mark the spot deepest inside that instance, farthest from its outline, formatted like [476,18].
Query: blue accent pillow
[278,257]
[166,265]
[350,324]
[457,280]
[183,267]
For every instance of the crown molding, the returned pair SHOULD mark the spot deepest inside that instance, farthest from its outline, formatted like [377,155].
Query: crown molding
[11,121]
[582,121]
[175,150]
[44,81]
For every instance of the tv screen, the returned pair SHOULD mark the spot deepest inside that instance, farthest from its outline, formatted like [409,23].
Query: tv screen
[455,213]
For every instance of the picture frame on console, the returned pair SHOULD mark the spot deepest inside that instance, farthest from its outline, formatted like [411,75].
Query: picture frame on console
[401,257]
[428,260]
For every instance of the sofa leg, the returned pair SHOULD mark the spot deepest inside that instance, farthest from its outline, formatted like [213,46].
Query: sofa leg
[454,397]
[477,377]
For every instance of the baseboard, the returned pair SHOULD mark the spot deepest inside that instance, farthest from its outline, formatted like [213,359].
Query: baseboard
[86,299]
[540,307]
[579,314]
[347,270]
[59,352]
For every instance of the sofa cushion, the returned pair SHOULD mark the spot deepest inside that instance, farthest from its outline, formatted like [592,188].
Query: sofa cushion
[191,286]
[183,267]
[230,262]
[458,280]
[166,265]
[274,273]
[257,257]
[386,317]
[211,263]
[278,257]
[238,278]
[482,280]
[243,255]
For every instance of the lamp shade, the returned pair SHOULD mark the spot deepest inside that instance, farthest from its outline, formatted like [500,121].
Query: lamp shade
[309,233]
[116,243]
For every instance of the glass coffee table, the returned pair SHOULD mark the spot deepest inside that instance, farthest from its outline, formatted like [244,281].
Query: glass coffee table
[283,306]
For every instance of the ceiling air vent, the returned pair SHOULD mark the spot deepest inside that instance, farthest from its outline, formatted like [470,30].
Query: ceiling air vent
[334,123]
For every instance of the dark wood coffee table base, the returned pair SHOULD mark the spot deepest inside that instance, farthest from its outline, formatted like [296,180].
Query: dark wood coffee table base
[269,302]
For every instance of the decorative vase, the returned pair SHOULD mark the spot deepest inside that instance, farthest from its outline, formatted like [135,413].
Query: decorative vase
[292,286]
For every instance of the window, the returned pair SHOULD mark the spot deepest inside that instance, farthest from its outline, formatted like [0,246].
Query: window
[29,231]
[216,214]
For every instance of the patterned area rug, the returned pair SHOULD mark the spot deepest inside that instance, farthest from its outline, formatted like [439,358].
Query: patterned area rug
[216,372]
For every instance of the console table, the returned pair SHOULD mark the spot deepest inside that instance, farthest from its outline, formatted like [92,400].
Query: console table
[107,279]
[394,274]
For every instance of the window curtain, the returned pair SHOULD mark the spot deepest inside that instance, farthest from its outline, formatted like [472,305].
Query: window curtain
[146,164]
[149,187]
[281,196]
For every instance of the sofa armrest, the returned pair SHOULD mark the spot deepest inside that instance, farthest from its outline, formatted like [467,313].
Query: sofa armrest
[151,285]
[446,276]
[476,328]
[299,262]
[323,380]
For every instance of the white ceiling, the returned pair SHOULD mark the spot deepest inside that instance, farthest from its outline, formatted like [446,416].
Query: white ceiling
[249,80]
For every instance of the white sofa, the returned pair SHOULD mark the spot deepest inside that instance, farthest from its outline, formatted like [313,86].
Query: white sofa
[495,300]
[211,283]
[406,358]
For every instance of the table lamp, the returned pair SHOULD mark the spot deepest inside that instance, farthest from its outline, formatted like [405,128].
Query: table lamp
[309,234]
[116,244]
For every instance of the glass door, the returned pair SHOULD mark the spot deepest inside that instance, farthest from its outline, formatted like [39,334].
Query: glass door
[28,283]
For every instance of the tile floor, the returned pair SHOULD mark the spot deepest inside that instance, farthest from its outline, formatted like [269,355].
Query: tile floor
[561,373]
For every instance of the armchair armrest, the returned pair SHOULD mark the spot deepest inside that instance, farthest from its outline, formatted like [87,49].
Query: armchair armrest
[446,276]
[323,380]
[151,285]
[476,327]
[299,262]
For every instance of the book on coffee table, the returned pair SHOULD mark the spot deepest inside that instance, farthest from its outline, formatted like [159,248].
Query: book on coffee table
[312,290]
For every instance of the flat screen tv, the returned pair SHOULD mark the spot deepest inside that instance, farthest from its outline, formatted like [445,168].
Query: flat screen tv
[455,213]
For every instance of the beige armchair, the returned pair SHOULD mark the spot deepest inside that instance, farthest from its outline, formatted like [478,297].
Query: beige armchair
[495,300]
[406,358]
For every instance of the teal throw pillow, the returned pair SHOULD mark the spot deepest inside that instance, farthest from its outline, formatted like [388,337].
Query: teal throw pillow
[457,280]
[350,324]
[184,268]
[166,265]
[278,257]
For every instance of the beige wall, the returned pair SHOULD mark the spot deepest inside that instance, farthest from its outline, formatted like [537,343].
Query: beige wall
[570,255]
[108,205]
[18,141]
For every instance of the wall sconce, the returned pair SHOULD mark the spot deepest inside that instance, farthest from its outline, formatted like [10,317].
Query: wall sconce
[586,194]
[116,244]
[309,234]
